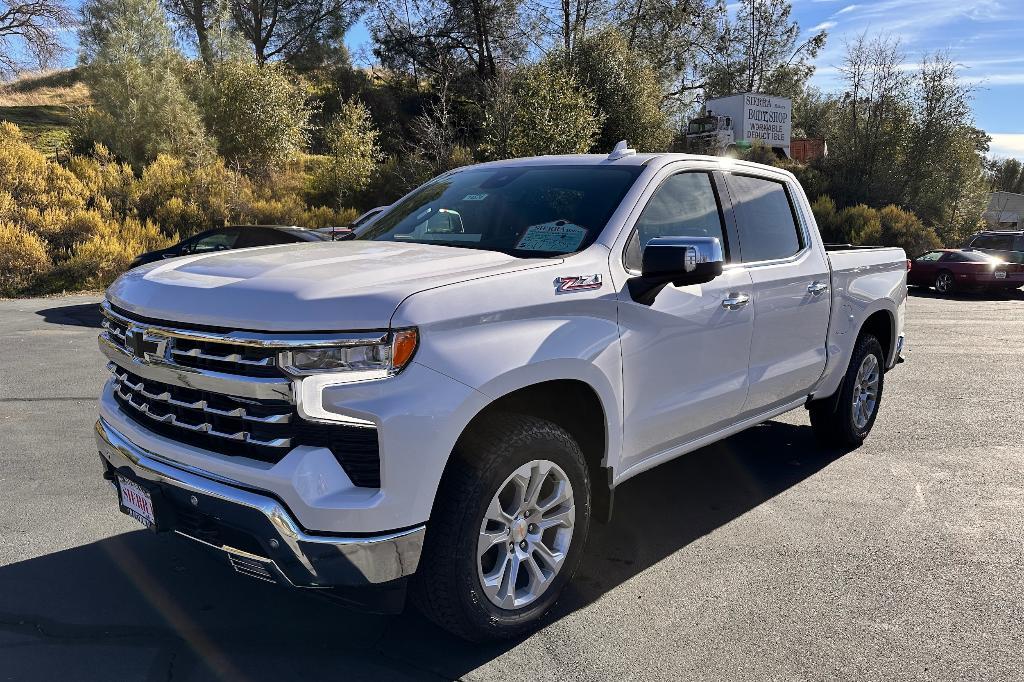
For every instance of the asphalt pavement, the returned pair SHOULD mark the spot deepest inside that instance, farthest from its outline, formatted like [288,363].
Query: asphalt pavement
[759,558]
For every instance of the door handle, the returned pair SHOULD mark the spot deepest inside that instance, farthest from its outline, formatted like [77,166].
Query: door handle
[817,288]
[735,301]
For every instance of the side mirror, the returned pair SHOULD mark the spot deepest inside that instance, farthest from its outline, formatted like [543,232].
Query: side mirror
[679,260]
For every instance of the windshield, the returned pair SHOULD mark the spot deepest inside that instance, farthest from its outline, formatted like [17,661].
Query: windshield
[702,125]
[523,211]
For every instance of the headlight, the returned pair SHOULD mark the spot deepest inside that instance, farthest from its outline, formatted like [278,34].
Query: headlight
[360,360]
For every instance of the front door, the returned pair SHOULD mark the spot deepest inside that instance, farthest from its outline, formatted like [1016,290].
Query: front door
[684,357]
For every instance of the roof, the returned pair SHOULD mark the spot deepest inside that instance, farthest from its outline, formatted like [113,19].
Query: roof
[629,160]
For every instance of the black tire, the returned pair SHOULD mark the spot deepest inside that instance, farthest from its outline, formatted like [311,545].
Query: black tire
[832,418]
[945,282]
[447,587]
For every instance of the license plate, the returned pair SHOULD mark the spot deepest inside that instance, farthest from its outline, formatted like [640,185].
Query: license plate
[1000,274]
[137,502]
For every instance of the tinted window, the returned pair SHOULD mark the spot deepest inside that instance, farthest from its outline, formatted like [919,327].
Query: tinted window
[995,242]
[217,241]
[684,206]
[767,224]
[930,256]
[258,236]
[523,211]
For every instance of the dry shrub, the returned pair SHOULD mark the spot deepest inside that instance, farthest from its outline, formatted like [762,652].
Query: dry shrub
[186,200]
[96,262]
[23,259]
[111,185]
[32,180]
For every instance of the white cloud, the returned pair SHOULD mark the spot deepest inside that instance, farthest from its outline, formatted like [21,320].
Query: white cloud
[824,26]
[848,8]
[992,79]
[1007,144]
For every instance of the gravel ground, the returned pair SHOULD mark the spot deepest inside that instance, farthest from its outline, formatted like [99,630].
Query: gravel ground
[759,558]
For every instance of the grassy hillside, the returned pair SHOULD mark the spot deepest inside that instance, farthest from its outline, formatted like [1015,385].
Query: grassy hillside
[41,105]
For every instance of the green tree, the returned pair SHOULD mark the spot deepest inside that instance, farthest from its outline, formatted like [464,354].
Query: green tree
[943,175]
[859,225]
[1005,175]
[824,210]
[538,109]
[904,229]
[141,108]
[761,51]
[352,153]
[867,146]
[626,90]
[256,113]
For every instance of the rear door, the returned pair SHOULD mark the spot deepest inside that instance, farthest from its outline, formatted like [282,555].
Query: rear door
[791,301]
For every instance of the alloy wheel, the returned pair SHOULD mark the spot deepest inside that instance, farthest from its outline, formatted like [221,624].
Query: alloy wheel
[944,283]
[865,391]
[525,534]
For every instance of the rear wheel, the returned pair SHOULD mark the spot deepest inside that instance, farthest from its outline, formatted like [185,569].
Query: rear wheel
[507,530]
[846,418]
[944,282]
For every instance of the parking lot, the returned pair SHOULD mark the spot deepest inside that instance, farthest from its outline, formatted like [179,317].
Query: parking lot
[758,558]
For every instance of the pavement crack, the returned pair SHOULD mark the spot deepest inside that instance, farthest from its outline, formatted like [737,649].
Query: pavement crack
[71,633]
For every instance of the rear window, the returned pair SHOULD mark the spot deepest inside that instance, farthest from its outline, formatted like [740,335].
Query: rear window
[767,222]
[972,257]
[994,242]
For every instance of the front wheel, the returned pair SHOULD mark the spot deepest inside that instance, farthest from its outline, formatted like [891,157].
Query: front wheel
[507,531]
[845,419]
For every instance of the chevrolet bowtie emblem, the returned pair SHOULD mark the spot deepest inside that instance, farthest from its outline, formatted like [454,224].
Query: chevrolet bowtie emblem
[143,347]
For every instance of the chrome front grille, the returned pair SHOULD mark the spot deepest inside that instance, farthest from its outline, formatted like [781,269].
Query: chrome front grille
[215,422]
[223,391]
[196,350]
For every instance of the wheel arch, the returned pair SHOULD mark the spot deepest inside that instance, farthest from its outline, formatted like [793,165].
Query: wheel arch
[881,324]
[576,406]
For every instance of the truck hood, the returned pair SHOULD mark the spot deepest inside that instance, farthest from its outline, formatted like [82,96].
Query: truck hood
[302,287]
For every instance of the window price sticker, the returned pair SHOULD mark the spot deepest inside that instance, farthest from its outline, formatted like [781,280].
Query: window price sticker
[559,236]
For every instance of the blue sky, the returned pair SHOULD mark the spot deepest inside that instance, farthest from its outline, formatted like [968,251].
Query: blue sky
[985,37]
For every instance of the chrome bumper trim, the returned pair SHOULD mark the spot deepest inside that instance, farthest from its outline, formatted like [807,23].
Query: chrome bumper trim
[258,388]
[326,560]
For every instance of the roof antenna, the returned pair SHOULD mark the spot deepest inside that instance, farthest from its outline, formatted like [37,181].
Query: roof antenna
[621,150]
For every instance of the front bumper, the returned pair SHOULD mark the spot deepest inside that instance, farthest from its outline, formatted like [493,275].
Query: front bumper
[257,532]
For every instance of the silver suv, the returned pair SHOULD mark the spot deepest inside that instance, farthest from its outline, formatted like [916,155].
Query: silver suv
[1006,244]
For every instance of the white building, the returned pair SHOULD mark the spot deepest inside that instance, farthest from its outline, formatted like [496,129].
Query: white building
[1005,211]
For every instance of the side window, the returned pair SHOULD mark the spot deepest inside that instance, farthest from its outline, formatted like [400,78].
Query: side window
[931,256]
[982,242]
[684,206]
[767,222]
[258,236]
[951,257]
[218,241]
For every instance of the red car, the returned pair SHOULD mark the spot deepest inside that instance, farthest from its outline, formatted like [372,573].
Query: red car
[951,270]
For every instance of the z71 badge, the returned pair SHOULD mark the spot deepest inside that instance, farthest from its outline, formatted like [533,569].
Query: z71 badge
[565,285]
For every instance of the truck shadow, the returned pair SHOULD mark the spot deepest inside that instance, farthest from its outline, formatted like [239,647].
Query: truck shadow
[77,315]
[140,606]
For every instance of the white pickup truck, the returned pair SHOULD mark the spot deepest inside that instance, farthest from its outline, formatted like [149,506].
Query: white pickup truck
[449,401]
